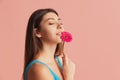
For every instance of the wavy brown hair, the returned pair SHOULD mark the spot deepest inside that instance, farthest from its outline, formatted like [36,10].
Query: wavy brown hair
[32,43]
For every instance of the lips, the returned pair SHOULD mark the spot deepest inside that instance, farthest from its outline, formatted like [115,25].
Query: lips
[58,34]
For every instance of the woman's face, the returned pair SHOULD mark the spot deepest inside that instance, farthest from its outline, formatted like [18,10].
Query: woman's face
[51,28]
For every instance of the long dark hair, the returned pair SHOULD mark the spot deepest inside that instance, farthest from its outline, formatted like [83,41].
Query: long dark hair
[32,43]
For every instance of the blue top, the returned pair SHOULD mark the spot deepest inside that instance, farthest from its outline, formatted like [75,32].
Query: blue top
[52,72]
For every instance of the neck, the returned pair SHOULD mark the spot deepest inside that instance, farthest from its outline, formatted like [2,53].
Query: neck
[47,52]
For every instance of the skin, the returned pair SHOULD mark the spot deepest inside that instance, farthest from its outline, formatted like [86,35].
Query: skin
[51,25]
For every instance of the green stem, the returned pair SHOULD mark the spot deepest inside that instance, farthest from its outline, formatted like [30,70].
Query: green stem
[63,47]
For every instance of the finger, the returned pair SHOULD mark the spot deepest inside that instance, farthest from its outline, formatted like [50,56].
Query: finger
[65,59]
[61,55]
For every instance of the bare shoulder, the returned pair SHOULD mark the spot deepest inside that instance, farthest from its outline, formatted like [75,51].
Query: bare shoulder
[39,72]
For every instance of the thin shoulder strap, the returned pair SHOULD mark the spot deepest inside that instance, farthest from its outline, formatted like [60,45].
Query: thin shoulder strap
[59,62]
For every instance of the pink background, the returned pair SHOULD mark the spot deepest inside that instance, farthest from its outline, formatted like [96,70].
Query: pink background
[94,24]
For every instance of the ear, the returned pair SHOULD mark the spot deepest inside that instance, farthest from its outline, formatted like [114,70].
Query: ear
[37,32]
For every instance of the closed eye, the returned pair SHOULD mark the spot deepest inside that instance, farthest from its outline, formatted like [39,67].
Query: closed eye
[51,23]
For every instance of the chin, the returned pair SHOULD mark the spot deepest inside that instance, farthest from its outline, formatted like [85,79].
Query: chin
[59,41]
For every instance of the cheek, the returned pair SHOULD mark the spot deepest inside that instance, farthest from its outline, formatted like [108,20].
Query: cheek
[45,33]
[49,32]
[50,28]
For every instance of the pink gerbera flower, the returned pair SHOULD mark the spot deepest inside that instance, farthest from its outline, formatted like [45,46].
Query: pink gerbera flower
[66,37]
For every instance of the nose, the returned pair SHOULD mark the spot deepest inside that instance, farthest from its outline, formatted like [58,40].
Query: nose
[60,26]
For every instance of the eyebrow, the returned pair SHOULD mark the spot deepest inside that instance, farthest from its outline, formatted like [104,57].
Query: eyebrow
[51,19]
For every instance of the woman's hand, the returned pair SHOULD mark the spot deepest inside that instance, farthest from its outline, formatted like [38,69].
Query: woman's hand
[68,69]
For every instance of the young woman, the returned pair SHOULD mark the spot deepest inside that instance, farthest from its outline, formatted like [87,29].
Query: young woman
[43,56]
